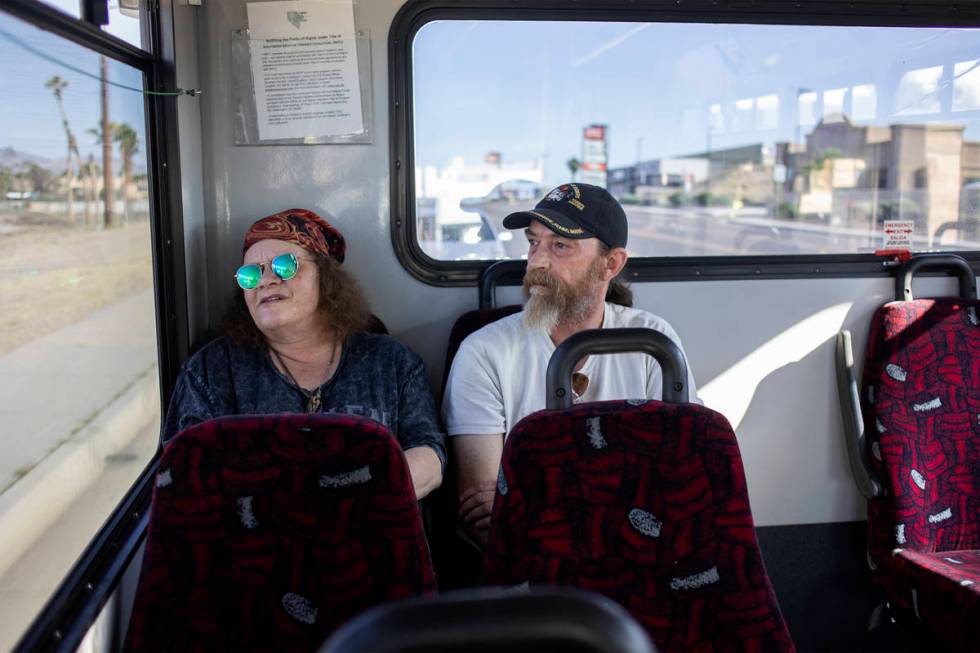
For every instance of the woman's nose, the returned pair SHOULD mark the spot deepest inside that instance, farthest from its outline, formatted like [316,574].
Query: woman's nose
[268,276]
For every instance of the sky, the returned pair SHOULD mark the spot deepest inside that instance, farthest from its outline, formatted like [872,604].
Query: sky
[29,118]
[527,89]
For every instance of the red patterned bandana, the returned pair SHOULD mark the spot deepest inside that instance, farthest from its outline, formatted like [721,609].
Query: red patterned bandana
[305,228]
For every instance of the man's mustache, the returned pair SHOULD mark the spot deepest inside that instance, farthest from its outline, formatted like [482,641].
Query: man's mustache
[539,277]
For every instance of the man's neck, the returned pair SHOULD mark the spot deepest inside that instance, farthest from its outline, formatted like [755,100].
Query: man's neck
[594,320]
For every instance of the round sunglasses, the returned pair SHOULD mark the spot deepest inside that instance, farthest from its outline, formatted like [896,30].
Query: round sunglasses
[285,266]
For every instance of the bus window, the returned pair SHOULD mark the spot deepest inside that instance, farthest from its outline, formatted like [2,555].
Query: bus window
[123,18]
[918,92]
[864,102]
[720,140]
[79,389]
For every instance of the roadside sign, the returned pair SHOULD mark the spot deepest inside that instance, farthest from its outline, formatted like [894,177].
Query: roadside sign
[779,173]
[594,156]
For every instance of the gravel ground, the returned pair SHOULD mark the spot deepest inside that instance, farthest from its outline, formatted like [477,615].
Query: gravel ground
[53,274]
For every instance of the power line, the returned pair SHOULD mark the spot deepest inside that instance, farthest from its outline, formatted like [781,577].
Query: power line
[58,62]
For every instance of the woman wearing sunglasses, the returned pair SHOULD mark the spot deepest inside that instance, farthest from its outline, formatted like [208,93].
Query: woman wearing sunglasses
[295,342]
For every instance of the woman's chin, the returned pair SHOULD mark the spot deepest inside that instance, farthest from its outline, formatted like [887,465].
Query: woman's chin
[267,320]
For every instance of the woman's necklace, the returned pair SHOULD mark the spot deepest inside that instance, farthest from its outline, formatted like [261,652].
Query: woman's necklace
[312,396]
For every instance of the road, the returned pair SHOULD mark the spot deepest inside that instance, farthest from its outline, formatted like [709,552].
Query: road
[664,231]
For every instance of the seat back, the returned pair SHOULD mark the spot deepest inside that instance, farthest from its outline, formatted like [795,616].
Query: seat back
[644,502]
[486,620]
[267,532]
[468,323]
[920,400]
[499,273]
[376,325]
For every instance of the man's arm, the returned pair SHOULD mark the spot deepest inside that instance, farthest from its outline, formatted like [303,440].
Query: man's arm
[474,409]
[477,466]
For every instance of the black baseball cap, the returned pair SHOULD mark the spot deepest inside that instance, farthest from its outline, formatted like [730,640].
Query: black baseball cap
[577,211]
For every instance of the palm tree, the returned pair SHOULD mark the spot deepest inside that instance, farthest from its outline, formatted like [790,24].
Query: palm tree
[57,85]
[129,144]
[573,166]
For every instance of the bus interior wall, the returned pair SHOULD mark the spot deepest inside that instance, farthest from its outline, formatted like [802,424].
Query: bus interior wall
[761,350]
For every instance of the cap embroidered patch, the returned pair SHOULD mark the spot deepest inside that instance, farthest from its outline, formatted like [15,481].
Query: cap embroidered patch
[554,225]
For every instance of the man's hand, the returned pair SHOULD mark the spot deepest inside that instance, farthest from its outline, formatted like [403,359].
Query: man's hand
[477,465]
[476,505]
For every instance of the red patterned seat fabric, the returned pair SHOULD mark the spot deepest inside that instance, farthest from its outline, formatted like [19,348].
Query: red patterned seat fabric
[643,502]
[921,405]
[268,532]
[944,590]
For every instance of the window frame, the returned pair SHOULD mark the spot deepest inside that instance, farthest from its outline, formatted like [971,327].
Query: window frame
[416,13]
[90,582]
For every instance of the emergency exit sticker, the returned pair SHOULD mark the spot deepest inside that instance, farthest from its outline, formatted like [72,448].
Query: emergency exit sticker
[898,234]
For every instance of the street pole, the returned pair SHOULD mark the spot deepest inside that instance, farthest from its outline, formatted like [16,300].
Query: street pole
[639,159]
[106,143]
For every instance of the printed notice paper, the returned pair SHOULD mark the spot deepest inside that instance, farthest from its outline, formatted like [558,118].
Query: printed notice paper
[304,68]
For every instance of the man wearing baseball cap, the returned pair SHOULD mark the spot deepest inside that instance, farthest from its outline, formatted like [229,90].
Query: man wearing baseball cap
[577,240]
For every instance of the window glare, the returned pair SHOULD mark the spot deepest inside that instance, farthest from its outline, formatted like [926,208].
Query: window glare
[864,102]
[919,91]
[717,139]
[833,104]
[124,21]
[807,103]
[966,87]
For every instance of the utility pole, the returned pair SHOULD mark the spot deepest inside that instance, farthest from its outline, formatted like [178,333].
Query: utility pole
[707,156]
[106,143]
[639,159]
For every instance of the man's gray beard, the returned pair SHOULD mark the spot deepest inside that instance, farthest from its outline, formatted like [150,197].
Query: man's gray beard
[545,312]
[541,313]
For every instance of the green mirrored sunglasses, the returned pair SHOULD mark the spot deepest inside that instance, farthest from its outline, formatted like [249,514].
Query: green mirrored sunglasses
[285,266]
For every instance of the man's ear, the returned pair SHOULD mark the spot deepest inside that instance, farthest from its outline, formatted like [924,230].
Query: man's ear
[615,261]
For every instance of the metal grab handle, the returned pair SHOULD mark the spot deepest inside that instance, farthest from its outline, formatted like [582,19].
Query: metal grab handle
[616,341]
[850,409]
[950,262]
[510,273]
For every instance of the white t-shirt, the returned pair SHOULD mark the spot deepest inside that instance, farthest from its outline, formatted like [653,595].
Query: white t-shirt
[498,375]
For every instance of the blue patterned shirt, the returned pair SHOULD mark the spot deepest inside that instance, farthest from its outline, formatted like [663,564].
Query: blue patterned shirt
[377,377]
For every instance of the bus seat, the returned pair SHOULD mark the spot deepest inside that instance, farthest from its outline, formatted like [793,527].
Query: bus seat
[642,501]
[920,405]
[268,531]
[501,272]
[376,326]
[468,323]
[457,557]
[486,620]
